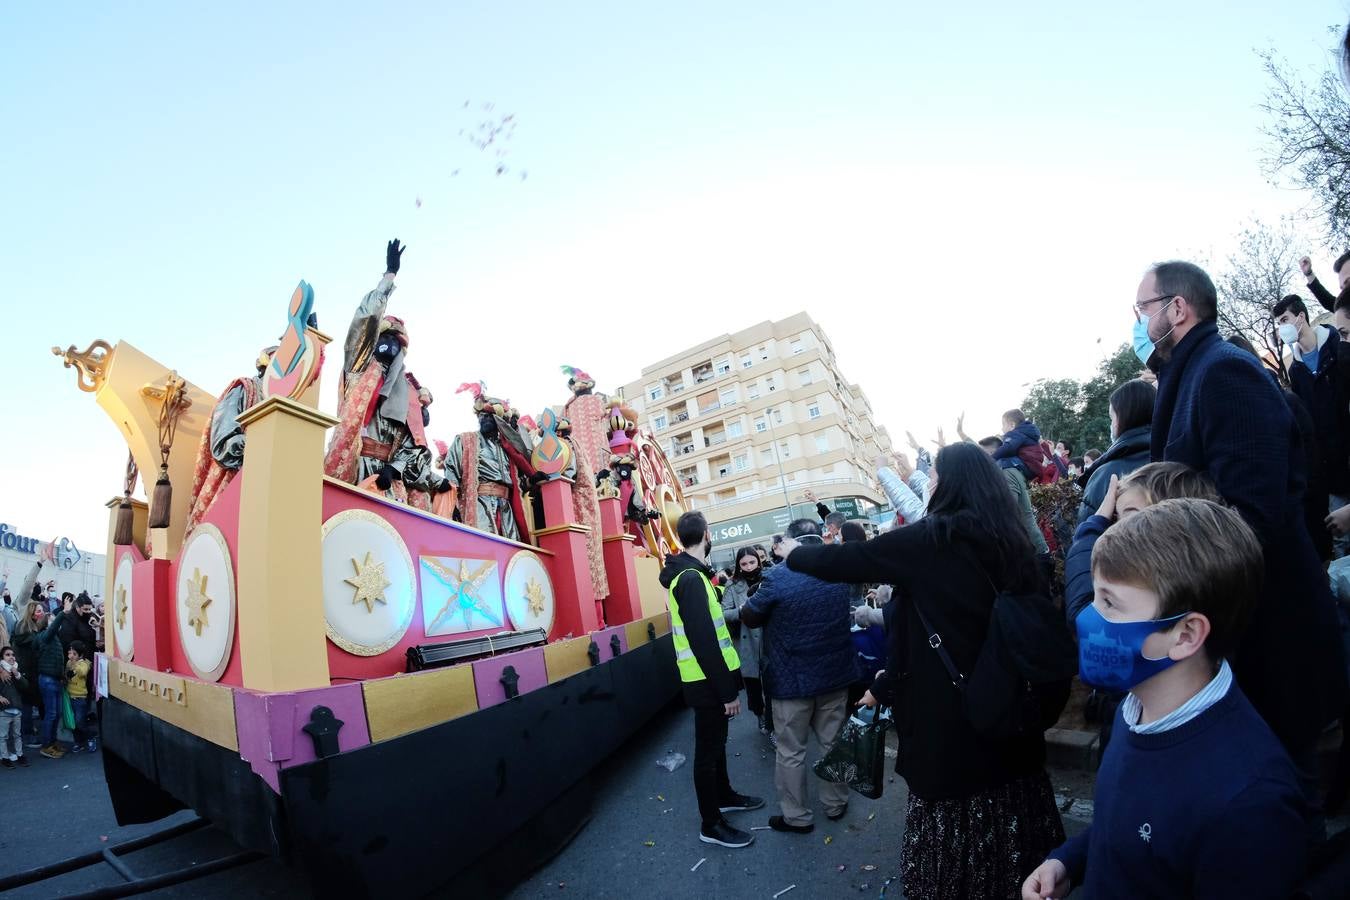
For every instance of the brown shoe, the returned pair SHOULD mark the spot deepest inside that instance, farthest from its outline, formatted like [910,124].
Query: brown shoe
[52,752]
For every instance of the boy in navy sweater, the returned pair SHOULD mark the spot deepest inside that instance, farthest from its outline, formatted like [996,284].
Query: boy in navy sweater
[1195,796]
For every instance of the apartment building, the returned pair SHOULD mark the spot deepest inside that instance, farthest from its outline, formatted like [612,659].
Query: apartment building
[752,420]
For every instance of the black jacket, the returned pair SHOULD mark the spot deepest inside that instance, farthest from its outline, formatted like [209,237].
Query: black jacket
[941,757]
[691,597]
[1219,412]
[1324,296]
[1126,453]
[1320,391]
[75,628]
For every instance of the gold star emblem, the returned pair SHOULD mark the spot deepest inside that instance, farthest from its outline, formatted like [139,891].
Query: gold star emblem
[121,606]
[534,594]
[370,582]
[197,602]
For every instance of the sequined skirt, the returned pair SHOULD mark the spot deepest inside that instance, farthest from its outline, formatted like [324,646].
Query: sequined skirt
[982,846]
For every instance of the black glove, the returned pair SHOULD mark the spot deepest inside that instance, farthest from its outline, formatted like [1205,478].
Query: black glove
[653,515]
[392,254]
[444,486]
[538,478]
[388,475]
[426,417]
[603,474]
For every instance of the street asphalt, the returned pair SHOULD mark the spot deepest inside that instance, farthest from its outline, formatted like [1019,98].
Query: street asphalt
[642,839]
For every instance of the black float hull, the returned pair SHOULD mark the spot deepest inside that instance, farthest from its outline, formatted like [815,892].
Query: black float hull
[468,807]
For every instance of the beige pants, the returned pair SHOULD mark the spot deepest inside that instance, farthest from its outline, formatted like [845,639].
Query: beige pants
[793,723]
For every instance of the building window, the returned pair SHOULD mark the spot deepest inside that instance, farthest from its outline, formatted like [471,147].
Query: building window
[804,375]
[735,429]
[752,391]
[761,426]
[783,450]
[766,456]
[796,347]
[813,411]
[778,417]
[723,471]
[728,396]
[746,361]
[659,422]
[763,351]
[769,382]
[822,443]
[655,392]
[722,366]
[742,462]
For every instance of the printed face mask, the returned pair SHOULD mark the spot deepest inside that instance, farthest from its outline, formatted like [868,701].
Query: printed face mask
[1111,654]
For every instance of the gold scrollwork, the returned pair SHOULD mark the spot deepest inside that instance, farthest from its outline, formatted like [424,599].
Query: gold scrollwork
[92,364]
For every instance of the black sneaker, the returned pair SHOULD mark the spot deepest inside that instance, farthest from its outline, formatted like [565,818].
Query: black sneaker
[8,764]
[778,824]
[740,803]
[23,762]
[724,835]
[839,814]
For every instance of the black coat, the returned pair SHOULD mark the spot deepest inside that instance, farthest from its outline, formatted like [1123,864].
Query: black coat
[941,756]
[1219,412]
[1321,393]
[75,628]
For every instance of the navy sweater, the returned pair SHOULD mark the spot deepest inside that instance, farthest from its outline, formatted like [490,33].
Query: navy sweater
[1209,809]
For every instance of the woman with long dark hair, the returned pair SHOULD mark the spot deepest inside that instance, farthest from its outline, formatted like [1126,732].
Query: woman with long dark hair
[746,574]
[1131,411]
[981,811]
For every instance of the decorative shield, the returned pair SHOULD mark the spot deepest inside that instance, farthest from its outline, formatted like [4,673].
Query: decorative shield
[369,593]
[120,612]
[204,602]
[529,593]
[460,595]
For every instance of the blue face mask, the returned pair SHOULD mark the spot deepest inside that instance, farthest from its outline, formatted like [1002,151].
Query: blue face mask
[1144,347]
[1111,654]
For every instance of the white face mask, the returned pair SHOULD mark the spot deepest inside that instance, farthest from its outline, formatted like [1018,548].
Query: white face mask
[1289,333]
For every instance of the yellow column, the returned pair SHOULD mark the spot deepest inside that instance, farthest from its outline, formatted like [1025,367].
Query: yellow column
[282,637]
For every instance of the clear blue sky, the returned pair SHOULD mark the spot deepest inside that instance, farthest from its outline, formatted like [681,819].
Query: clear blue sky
[964,196]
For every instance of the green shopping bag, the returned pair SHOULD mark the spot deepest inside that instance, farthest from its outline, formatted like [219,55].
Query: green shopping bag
[858,757]
[67,712]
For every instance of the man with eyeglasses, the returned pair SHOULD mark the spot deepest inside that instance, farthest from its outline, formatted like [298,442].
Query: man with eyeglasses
[1219,412]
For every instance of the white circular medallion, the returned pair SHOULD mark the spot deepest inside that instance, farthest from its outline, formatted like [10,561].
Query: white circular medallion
[369,594]
[204,602]
[529,592]
[118,613]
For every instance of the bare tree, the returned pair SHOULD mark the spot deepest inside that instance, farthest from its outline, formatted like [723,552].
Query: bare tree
[1254,277]
[1309,135]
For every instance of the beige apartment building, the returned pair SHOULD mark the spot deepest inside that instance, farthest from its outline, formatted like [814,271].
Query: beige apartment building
[750,416]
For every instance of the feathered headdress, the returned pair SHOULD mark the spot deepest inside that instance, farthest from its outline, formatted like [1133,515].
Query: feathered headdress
[483,403]
[528,423]
[578,380]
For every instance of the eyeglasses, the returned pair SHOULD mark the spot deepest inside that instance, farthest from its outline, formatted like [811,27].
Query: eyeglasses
[1141,308]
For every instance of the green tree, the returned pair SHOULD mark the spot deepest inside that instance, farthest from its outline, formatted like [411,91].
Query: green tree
[1079,412]
[1055,405]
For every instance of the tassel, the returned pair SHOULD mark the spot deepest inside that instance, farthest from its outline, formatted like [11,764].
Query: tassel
[161,500]
[122,535]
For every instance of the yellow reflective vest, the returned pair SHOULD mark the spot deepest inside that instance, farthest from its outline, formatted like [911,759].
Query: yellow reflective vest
[684,656]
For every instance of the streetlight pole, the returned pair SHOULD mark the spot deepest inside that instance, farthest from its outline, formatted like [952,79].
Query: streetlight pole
[782,479]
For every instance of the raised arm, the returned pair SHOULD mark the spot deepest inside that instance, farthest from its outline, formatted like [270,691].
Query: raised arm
[366,323]
[887,558]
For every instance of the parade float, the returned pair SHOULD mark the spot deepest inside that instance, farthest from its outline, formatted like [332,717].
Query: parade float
[394,701]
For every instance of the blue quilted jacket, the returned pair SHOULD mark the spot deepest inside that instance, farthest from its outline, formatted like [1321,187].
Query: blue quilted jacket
[808,649]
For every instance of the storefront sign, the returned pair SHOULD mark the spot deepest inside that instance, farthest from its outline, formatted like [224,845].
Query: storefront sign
[12,540]
[750,527]
[62,552]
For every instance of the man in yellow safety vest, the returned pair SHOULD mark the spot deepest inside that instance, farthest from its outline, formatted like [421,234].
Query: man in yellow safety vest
[710,672]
